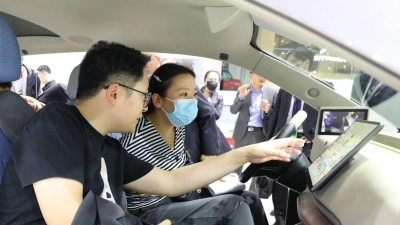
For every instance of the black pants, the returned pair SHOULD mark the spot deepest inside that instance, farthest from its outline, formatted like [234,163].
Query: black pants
[252,200]
[250,137]
[220,210]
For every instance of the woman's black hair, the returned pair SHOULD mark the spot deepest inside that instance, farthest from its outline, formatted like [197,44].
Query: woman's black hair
[162,80]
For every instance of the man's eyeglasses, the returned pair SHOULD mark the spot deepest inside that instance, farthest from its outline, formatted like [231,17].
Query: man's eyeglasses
[147,96]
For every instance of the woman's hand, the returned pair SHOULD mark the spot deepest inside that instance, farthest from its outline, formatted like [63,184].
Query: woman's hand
[165,222]
[273,150]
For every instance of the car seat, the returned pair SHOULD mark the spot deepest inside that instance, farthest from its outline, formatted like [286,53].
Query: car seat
[15,112]
[73,85]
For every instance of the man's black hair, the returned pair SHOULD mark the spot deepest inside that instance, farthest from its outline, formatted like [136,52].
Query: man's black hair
[302,53]
[106,63]
[211,71]
[163,78]
[44,68]
[7,85]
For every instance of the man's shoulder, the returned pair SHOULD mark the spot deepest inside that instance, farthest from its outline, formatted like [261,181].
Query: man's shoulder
[284,94]
[56,106]
[63,86]
[56,111]
[218,96]
[56,86]
[271,88]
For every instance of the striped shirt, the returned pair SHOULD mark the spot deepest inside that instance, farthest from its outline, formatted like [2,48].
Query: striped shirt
[148,145]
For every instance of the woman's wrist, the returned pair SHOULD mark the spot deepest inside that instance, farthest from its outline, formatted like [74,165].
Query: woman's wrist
[241,154]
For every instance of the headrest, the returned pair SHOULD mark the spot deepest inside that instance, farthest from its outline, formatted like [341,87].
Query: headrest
[10,56]
[73,83]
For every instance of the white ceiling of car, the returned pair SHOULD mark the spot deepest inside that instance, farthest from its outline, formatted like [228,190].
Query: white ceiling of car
[178,26]
[173,26]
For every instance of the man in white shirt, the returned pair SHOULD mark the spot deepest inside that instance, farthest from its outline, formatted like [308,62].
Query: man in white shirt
[28,83]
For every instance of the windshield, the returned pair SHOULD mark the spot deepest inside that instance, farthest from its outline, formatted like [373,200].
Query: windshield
[334,71]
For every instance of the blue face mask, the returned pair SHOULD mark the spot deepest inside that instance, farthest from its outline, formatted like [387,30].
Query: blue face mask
[185,111]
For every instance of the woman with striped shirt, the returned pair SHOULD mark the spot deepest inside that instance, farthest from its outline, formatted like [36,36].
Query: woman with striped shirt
[159,140]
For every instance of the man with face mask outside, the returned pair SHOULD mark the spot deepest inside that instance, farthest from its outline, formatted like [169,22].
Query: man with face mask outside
[211,82]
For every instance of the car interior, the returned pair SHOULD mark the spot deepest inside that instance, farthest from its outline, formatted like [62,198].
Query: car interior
[242,32]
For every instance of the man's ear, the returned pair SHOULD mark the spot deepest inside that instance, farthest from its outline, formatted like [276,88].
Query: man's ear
[112,94]
[158,60]
[306,65]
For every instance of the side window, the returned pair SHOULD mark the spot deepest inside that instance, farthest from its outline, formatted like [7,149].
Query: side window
[226,75]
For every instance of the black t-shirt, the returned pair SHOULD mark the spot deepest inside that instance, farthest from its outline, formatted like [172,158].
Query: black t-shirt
[59,142]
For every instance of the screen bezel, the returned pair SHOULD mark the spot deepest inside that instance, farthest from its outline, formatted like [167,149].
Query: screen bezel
[321,117]
[340,165]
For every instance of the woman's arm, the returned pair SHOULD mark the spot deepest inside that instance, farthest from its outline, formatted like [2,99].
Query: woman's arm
[192,177]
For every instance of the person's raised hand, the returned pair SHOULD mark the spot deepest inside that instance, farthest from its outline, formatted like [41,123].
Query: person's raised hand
[265,105]
[273,150]
[244,90]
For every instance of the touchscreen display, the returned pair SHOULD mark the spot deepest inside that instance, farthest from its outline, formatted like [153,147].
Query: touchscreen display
[337,121]
[339,149]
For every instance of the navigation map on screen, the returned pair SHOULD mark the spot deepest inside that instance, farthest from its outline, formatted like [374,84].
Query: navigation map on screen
[339,149]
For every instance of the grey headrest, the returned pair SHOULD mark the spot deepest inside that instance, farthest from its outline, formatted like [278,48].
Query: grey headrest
[73,83]
[10,56]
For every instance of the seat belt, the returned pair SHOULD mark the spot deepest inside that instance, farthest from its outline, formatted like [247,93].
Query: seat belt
[14,114]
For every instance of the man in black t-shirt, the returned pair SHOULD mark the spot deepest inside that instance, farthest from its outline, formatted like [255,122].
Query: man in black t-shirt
[63,153]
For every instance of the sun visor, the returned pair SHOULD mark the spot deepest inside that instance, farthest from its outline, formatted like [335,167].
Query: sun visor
[220,18]
[261,23]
